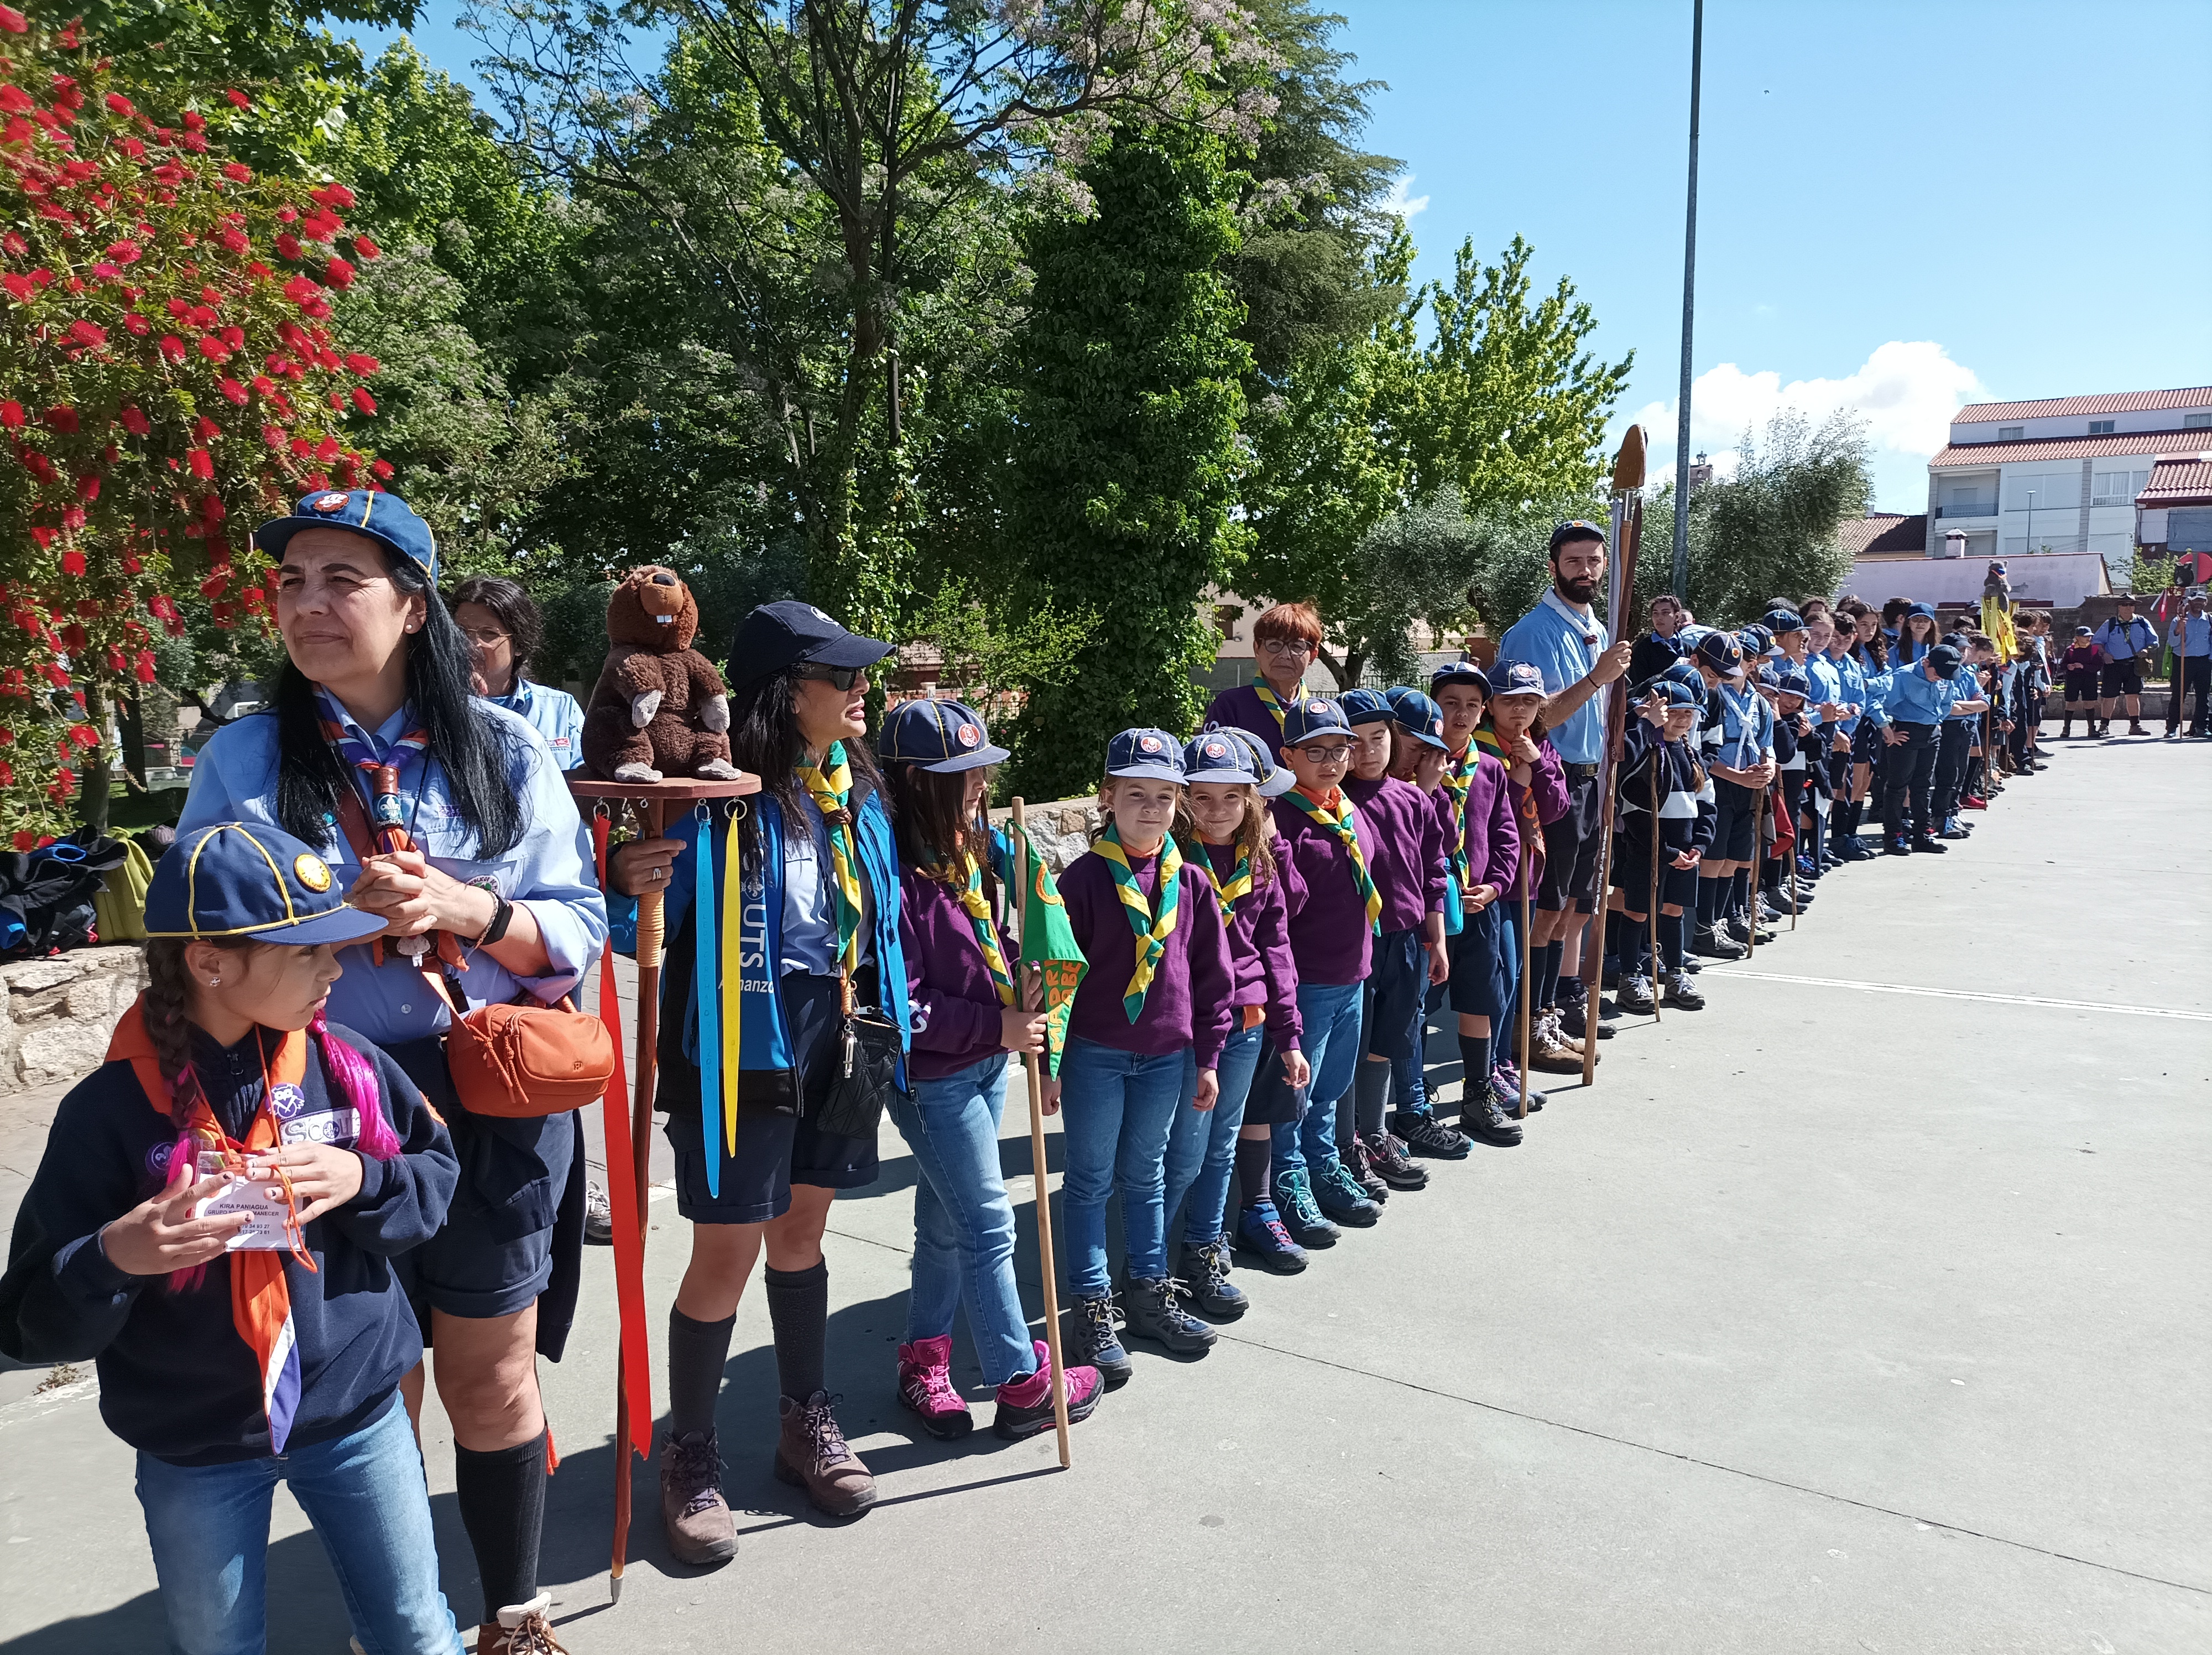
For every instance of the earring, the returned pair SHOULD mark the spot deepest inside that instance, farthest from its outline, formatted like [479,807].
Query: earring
[215,982]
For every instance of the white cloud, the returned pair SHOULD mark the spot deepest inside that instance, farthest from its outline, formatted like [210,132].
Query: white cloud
[1405,206]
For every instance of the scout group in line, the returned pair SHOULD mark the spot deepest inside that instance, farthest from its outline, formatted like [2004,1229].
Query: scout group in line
[260,1211]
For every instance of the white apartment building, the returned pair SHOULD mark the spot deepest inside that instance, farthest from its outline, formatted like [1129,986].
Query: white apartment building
[2060,474]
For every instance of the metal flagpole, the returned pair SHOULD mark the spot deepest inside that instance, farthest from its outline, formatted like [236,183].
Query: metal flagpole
[1689,316]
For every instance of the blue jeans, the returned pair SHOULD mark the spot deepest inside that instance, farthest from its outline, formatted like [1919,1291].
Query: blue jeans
[963,1225]
[1202,1149]
[209,1528]
[1330,1014]
[1116,1110]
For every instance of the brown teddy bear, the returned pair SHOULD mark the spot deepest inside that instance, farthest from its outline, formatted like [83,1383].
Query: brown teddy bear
[659,707]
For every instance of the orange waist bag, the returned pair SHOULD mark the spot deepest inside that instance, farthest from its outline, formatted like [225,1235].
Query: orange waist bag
[524,1060]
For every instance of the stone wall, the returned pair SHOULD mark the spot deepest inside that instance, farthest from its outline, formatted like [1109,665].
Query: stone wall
[61,1010]
[1062,829]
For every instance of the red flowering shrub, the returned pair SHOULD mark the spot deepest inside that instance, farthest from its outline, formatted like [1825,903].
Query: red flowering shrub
[168,379]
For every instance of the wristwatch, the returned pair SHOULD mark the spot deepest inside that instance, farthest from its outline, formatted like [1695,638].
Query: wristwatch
[501,917]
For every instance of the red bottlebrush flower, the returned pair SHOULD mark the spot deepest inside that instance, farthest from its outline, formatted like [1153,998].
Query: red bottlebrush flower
[232,389]
[7,773]
[205,429]
[15,244]
[73,518]
[273,435]
[38,465]
[133,148]
[24,840]
[88,488]
[177,309]
[362,401]
[328,450]
[135,421]
[211,508]
[124,253]
[107,272]
[301,291]
[235,240]
[213,586]
[235,338]
[173,347]
[260,271]
[333,195]
[18,288]
[114,660]
[43,535]
[238,172]
[194,121]
[337,403]
[224,615]
[73,638]
[14,99]
[90,335]
[287,244]
[11,414]
[238,98]
[203,463]
[63,418]
[84,735]
[287,215]
[72,563]
[214,348]
[14,22]
[137,324]
[302,447]
[381,469]
[338,274]
[369,252]
[64,781]
[144,667]
[362,365]
[264,385]
[132,565]
[55,675]
[120,104]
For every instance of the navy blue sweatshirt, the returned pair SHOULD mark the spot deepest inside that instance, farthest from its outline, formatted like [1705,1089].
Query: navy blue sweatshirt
[176,1380]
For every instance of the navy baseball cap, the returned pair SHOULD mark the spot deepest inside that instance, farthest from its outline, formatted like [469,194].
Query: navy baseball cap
[1721,652]
[1685,673]
[1778,621]
[1364,707]
[1517,678]
[1275,779]
[1576,528]
[384,518]
[1929,609]
[1417,716]
[1945,659]
[942,737]
[234,879]
[1677,694]
[1460,671]
[1791,682]
[1755,639]
[1145,755]
[778,636]
[1213,756]
[2083,632]
[1314,715]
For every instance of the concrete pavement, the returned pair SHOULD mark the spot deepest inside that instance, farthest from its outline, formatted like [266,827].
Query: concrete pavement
[1830,1319]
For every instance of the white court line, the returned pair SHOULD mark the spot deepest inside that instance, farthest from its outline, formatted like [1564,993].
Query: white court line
[1963,994]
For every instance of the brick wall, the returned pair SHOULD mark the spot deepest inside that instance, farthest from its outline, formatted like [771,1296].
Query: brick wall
[60,1013]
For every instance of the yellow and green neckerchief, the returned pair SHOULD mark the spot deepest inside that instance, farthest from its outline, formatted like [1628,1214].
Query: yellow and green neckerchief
[1524,806]
[987,934]
[1240,879]
[1151,932]
[1335,814]
[1274,703]
[1458,778]
[829,785]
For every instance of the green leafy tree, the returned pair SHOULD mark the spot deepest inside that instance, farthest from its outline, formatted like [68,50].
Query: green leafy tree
[1127,458]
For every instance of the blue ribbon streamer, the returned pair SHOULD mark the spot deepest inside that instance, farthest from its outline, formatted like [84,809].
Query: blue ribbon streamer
[706,991]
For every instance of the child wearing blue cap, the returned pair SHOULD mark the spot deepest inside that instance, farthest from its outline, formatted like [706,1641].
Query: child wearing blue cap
[1657,763]
[1224,828]
[1156,994]
[213,1225]
[967,1016]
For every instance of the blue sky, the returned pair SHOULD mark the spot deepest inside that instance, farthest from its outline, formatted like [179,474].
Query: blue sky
[1902,206]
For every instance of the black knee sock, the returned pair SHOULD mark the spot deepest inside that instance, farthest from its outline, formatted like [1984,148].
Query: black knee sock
[1614,924]
[501,1495]
[1475,1064]
[798,1313]
[1739,900]
[1674,937]
[1548,983]
[1634,938]
[1708,891]
[1373,1090]
[1254,1157]
[696,1352]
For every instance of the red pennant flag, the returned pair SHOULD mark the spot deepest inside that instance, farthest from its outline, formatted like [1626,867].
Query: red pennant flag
[622,1199]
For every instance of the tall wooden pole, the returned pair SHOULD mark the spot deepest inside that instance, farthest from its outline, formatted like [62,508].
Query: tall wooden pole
[1040,1180]
[1628,540]
[1681,562]
[651,918]
[1522,1112]
[1651,913]
[1758,861]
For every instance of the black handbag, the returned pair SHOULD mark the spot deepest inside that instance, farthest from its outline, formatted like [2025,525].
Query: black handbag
[864,1067]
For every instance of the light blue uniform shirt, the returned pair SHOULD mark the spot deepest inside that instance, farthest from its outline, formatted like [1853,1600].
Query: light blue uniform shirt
[1552,642]
[1744,737]
[548,870]
[1850,681]
[553,714]
[1828,685]
[1915,699]
[2125,643]
[810,891]
[1967,687]
[2191,633]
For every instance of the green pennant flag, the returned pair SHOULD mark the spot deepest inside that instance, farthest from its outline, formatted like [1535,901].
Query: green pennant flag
[1048,941]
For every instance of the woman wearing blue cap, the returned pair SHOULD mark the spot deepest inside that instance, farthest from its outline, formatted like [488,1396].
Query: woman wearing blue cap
[960,979]
[214,1224]
[374,732]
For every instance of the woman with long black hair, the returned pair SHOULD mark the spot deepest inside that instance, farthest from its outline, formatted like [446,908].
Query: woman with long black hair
[373,723]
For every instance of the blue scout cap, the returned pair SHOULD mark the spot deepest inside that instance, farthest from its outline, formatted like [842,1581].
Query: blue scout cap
[1791,682]
[259,883]
[942,737]
[384,518]
[1460,671]
[781,634]
[1778,621]
[1364,707]
[1576,528]
[1945,659]
[1929,609]
[1211,756]
[1276,780]
[1755,639]
[1685,673]
[1721,652]
[1311,717]
[1678,693]
[1417,716]
[1766,677]
[1145,755]
[2083,632]
[1515,677]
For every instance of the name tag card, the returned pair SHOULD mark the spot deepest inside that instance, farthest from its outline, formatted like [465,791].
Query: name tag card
[262,1200]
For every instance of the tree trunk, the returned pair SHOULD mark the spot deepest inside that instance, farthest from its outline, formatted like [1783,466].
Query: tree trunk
[92,798]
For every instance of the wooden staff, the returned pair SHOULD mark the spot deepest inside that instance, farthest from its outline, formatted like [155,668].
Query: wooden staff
[1627,538]
[1522,1112]
[1758,857]
[1796,840]
[1040,1181]
[1651,913]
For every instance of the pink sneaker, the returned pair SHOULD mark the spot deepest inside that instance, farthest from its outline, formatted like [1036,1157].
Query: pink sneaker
[1026,1404]
[925,1385]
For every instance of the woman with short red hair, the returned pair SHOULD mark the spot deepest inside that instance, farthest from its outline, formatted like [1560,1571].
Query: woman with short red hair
[1285,640]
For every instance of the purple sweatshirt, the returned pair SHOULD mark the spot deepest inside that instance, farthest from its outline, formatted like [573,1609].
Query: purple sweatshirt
[1405,846]
[1187,1004]
[1259,950]
[955,1004]
[1240,708]
[1493,833]
[1330,938]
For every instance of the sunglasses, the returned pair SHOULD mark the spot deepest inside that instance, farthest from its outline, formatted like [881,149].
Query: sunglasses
[840,677]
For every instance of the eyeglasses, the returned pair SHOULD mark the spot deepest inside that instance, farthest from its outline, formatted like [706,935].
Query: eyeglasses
[838,678]
[490,638]
[1287,647]
[1335,753]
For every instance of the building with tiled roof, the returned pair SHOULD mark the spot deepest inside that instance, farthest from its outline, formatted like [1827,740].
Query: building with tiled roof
[2060,474]
[1884,534]
[2173,511]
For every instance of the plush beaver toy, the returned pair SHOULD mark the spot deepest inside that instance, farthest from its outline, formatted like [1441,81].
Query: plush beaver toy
[659,708]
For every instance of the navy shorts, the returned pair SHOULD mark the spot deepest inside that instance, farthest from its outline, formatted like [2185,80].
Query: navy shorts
[1481,981]
[776,1149]
[2082,686]
[494,1255]
[1733,806]
[1397,986]
[1570,851]
[2121,678]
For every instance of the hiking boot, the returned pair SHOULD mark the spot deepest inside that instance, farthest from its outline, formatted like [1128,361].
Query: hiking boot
[693,1513]
[1206,1281]
[1425,1134]
[1339,1195]
[1576,1026]
[2134,728]
[1925,843]
[1359,1163]
[1898,845]
[1152,1310]
[1026,1404]
[1683,995]
[1549,1054]
[1952,832]
[1634,993]
[521,1630]
[1387,1158]
[1714,944]
[1560,1036]
[1091,1339]
[812,1454]
[1259,1232]
[926,1391]
[1490,1123]
[1507,1092]
[1294,1202]
[598,1216]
